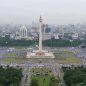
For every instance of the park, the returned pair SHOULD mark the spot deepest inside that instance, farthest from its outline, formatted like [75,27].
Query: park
[43,77]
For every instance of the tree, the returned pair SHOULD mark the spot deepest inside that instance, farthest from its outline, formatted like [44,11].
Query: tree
[10,76]
[34,82]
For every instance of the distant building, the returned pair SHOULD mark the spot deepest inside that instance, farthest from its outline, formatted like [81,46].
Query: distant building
[56,35]
[23,32]
[46,29]
[75,36]
[46,36]
[12,36]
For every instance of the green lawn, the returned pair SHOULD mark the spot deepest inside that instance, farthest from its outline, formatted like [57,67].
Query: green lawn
[66,57]
[42,80]
[13,57]
[8,59]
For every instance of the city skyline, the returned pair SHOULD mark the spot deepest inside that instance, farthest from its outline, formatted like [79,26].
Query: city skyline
[53,11]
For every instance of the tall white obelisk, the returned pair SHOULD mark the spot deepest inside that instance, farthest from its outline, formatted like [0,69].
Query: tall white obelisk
[40,34]
[40,53]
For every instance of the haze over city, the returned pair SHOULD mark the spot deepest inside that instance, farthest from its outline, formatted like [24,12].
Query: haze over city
[53,11]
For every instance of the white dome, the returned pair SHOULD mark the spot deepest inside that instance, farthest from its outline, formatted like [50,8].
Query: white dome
[23,31]
[23,28]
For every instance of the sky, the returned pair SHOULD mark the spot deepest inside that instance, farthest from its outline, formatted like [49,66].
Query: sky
[52,11]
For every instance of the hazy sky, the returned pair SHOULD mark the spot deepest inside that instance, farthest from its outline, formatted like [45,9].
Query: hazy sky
[53,11]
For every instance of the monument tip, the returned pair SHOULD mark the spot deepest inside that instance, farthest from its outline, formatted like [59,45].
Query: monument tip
[40,19]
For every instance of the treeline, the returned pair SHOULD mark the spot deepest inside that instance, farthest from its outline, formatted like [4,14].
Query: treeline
[10,76]
[61,43]
[75,76]
[12,42]
[6,41]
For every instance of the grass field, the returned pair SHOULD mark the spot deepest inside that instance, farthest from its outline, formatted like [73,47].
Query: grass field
[42,80]
[11,60]
[12,57]
[66,57]
[8,59]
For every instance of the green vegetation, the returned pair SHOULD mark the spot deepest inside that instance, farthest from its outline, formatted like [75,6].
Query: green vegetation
[12,56]
[34,82]
[61,43]
[44,80]
[8,59]
[41,70]
[43,77]
[6,41]
[41,80]
[66,57]
[10,76]
[75,76]
[54,81]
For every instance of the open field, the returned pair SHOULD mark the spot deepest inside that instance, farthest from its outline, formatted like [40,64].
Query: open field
[61,56]
[42,80]
[66,57]
[11,60]
[8,59]
[13,56]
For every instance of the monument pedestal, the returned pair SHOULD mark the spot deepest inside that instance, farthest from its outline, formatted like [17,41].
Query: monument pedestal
[38,54]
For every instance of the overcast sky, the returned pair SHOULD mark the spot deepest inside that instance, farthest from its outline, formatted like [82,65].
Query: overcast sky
[52,11]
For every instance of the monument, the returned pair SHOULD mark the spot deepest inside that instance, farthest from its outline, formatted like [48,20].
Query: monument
[40,53]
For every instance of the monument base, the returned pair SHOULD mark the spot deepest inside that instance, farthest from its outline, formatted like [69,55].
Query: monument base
[38,54]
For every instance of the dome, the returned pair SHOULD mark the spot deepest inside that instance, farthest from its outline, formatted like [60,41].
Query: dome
[23,31]
[23,28]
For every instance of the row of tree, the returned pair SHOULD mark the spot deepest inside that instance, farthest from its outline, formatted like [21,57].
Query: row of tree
[50,43]
[11,42]
[61,43]
[10,76]
[75,76]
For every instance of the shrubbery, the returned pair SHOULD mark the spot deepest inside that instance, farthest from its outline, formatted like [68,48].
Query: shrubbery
[61,43]
[75,76]
[49,43]
[12,42]
[10,76]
